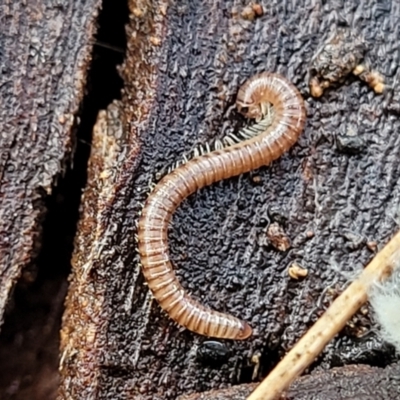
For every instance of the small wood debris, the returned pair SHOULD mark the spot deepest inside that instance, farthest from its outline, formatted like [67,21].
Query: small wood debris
[277,237]
[297,272]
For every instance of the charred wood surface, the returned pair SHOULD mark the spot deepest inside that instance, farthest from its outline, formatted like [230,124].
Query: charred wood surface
[358,382]
[335,194]
[45,52]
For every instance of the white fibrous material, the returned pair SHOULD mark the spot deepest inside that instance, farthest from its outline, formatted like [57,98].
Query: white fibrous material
[385,301]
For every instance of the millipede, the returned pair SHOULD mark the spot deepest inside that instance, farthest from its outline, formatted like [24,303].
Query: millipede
[261,145]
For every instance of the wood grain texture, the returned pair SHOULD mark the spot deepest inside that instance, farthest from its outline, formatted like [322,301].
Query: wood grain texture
[45,50]
[183,69]
[358,382]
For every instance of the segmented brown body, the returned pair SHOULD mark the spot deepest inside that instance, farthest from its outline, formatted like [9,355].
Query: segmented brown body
[201,171]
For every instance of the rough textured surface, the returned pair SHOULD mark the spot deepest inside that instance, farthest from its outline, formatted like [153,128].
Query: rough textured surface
[184,65]
[357,382]
[45,51]
[44,54]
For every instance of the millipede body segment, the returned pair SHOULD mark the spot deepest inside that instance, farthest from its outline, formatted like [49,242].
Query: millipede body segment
[252,101]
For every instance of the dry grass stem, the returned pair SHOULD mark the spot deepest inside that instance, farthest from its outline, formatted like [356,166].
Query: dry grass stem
[331,322]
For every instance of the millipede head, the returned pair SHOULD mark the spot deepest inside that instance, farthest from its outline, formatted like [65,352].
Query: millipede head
[250,110]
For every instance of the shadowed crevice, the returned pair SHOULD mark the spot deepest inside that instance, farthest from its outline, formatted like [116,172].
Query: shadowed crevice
[29,338]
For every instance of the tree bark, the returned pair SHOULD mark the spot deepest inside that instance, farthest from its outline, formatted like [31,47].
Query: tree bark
[335,193]
[350,382]
[45,53]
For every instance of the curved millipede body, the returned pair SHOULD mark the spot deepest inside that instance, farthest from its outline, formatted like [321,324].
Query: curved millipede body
[252,101]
